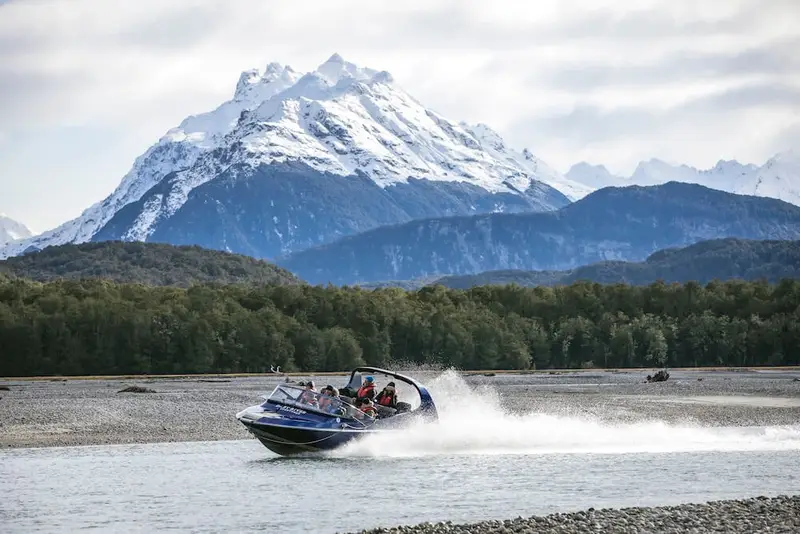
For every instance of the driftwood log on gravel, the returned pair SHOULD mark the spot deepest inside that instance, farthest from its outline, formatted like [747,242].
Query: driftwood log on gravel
[136,389]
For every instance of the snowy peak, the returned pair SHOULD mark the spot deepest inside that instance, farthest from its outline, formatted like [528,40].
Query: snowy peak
[655,171]
[778,178]
[788,158]
[11,230]
[594,176]
[342,118]
[337,69]
[731,167]
[252,85]
[206,129]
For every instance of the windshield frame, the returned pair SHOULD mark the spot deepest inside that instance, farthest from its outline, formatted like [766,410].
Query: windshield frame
[293,400]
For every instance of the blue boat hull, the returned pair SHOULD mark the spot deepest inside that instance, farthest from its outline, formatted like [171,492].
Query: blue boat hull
[289,440]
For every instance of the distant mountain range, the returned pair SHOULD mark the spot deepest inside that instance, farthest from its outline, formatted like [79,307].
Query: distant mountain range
[718,259]
[158,264]
[11,230]
[344,159]
[295,160]
[778,178]
[624,224]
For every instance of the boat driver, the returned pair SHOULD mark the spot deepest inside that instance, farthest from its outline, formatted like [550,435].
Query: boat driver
[367,389]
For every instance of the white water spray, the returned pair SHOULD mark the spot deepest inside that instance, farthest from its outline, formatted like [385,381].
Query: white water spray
[472,421]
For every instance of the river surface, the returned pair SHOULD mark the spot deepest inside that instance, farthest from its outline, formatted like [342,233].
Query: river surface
[239,486]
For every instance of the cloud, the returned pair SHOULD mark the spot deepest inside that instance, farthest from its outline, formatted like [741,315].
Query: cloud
[607,80]
[774,60]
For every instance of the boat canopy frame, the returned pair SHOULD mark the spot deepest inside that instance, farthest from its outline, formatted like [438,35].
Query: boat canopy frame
[426,401]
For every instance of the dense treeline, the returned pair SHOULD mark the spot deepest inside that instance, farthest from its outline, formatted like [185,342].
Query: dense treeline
[99,327]
[158,264]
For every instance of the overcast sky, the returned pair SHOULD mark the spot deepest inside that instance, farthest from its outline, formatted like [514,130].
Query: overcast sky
[88,85]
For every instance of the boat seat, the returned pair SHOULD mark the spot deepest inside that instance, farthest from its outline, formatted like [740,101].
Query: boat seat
[385,411]
[356,382]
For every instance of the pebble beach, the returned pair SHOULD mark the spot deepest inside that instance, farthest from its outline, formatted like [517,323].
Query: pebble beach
[777,515]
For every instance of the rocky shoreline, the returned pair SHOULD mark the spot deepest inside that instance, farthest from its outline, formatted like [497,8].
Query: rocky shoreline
[776,515]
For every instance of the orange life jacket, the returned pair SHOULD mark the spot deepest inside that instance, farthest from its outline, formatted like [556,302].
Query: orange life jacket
[364,391]
[385,399]
[369,410]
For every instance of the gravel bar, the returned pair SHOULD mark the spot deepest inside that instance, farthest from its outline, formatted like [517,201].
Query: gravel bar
[760,514]
[68,412]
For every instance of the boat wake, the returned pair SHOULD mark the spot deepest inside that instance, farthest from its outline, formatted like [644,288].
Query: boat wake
[472,421]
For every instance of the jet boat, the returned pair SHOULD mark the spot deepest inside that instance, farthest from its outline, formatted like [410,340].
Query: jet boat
[295,420]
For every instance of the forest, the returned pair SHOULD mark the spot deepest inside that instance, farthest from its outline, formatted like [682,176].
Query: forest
[78,327]
[159,264]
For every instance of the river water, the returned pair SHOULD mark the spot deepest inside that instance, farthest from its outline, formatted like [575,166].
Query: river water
[478,462]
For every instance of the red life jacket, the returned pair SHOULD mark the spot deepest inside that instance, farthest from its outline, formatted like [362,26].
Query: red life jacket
[364,391]
[369,410]
[385,399]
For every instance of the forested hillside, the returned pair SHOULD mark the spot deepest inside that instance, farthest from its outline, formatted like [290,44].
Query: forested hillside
[99,327]
[716,259]
[615,223]
[145,263]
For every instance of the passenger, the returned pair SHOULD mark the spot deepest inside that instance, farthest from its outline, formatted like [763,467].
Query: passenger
[367,389]
[326,397]
[368,408]
[309,394]
[336,407]
[388,397]
[359,409]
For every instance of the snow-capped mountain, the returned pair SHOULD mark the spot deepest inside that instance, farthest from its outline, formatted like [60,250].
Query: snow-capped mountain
[11,230]
[297,160]
[594,176]
[178,149]
[778,178]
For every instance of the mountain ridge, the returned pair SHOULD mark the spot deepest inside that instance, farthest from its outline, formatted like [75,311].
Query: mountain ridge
[778,177]
[614,223]
[718,259]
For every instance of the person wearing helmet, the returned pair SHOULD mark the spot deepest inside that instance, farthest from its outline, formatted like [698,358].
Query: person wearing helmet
[367,389]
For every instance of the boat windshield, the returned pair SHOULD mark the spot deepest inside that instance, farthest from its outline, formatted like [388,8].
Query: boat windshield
[309,400]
